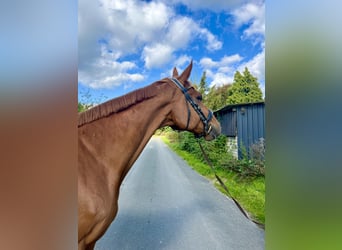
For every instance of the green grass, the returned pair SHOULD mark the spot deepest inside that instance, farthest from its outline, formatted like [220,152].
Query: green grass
[249,192]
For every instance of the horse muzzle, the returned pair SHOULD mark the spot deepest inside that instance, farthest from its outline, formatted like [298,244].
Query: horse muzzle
[213,132]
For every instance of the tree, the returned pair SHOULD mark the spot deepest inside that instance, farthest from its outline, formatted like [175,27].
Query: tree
[245,89]
[217,97]
[83,107]
[203,86]
[214,97]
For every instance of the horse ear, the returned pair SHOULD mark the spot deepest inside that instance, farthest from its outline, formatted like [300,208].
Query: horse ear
[186,73]
[175,72]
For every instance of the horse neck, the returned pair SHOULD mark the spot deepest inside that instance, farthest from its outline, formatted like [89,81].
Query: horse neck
[145,119]
[123,136]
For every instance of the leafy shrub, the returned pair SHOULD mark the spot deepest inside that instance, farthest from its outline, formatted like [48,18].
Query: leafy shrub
[217,150]
[83,107]
[252,165]
[258,151]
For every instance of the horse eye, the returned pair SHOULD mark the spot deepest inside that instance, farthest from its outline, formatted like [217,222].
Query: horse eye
[199,98]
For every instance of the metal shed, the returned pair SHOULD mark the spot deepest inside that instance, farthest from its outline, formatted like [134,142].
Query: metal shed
[244,122]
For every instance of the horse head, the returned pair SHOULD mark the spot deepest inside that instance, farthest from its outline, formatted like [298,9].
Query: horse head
[188,112]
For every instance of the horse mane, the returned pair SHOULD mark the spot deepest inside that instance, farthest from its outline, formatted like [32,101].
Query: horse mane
[118,104]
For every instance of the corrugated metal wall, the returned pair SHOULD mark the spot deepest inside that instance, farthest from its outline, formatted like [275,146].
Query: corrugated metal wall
[250,125]
[227,119]
[246,121]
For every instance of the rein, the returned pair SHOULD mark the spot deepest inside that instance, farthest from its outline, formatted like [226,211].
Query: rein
[205,120]
[227,190]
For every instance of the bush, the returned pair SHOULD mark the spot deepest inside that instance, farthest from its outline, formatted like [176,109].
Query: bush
[258,151]
[249,166]
[217,151]
[83,107]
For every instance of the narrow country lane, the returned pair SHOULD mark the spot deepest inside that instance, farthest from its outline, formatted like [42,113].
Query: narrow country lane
[164,204]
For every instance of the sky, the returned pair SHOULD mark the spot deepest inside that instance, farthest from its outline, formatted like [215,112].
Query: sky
[124,45]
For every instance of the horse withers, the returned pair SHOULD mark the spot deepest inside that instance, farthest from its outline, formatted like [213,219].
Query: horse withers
[112,135]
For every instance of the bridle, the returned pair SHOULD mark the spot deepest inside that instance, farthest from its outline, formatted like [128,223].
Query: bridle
[205,120]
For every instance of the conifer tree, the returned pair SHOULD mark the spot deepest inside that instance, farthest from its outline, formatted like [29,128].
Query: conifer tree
[245,89]
[203,86]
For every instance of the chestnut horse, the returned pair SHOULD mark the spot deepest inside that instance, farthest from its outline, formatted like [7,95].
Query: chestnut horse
[112,135]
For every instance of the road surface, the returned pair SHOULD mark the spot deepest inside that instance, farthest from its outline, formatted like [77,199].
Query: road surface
[164,204]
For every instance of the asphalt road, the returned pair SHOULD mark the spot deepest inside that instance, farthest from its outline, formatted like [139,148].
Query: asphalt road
[164,204]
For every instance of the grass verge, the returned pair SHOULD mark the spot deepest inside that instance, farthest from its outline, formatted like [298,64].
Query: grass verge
[249,192]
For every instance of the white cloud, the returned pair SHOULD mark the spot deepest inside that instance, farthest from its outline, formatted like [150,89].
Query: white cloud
[214,5]
[180,32]
[157,55]
[257,68]
[125,24]
[98,80]
[110,30]
[182,60]
[253,15]
[91,25]
[213,43]
[226,60]
[135,22]
[107,72]
[222,71]
[208,63]
[183,29]
[219,78]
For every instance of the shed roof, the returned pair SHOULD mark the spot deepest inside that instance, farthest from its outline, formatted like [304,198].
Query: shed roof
[230,106]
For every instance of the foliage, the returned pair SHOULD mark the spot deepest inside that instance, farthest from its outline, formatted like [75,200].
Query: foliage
[258,152]
[213,97]
[245,89]
[217,97]
[203,86]
[163,131]
[216,149]
[252,166]
[245,168]
[83,107]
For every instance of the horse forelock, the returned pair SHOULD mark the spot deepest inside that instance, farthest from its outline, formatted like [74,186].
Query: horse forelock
[119,104]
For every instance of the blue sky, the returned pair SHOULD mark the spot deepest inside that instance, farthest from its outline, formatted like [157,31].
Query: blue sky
[127,44]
